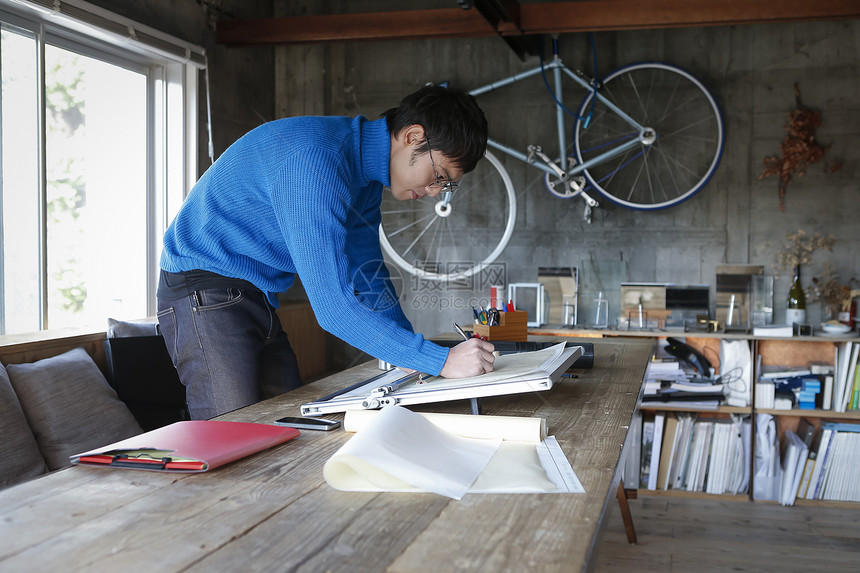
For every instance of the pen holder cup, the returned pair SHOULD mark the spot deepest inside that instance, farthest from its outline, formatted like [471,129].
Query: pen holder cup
[512,326]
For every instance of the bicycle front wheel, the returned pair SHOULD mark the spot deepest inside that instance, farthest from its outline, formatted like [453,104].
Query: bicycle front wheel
[452,240]
[678,158]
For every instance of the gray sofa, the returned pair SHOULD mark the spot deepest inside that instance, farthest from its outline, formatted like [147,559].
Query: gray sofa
[53,408]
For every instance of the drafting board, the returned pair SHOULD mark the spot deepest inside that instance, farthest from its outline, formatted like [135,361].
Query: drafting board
[512,374]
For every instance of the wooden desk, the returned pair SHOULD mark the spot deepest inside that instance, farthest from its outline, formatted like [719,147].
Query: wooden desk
[274,511]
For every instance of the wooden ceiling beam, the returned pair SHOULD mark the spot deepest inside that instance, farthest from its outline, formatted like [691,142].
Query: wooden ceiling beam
[597,15]
[540,18]
[401,25]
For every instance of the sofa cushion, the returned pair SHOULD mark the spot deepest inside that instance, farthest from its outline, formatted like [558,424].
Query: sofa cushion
[20,458]
[70,406]
[126,328]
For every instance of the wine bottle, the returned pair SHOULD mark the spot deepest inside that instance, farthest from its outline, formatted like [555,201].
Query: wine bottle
[795,312]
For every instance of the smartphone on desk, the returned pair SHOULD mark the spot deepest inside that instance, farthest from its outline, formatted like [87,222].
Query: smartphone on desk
[307,423]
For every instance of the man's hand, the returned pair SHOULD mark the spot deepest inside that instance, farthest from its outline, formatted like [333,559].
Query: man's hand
[469,358]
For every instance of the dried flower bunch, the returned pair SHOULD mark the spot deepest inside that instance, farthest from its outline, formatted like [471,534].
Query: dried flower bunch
[829,290]
[799,147]
[799,247]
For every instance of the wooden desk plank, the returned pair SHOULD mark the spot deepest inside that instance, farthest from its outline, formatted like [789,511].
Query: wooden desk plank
[38,510]
[328,530]
[273,510]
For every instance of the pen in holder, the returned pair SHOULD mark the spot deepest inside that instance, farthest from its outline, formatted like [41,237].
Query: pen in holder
[512,326]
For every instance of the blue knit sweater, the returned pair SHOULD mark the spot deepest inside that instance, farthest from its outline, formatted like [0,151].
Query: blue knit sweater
[302,196]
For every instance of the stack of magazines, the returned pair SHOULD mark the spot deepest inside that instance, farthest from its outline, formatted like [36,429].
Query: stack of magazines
[667,382]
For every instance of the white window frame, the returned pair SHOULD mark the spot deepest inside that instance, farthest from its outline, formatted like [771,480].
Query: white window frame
[172,68]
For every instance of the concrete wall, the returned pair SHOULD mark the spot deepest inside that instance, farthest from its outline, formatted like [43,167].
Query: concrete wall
[735,219]
[750,69]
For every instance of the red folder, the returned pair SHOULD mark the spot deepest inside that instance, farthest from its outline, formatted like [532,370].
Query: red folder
[191,446]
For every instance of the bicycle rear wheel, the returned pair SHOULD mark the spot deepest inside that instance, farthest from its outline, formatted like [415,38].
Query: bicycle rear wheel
[442,241]
[682,158]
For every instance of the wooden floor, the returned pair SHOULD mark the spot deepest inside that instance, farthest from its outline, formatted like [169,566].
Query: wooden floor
[703,535]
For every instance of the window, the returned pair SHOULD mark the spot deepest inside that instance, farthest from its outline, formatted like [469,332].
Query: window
[97,146]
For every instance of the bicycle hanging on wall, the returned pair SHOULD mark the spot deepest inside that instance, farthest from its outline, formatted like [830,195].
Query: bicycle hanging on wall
[647,136]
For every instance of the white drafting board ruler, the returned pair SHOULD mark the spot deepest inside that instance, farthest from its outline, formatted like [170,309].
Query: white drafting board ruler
[512,374]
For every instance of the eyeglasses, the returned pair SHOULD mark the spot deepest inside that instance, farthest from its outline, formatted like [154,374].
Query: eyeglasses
[446,185]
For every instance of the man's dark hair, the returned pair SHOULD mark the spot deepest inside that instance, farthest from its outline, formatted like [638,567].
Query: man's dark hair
[451,119]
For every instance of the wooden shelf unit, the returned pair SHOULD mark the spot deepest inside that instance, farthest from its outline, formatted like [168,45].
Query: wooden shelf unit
[783,351]
[666,407]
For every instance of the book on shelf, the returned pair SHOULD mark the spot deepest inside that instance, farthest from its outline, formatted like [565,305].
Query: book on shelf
[720,463]
[664,369]
[848,474]
[709,455]
[705,458]
[827,392]
[855,394]
[794,460]
[827,487]
[705,385]
[838,355]
[824,368]
[656,446]
[701,430]
[670,395]
[742,438]
[701,385]
[694,459]
[850,374]
[814,446]
[835,473]
[729,459]
[652,387]
[645,456]
[820,461]
[783,372]
[844,375]
[765,392]
[774,330]
[670,443]
[682,454]
[805,436]
[840,472]
[849,427]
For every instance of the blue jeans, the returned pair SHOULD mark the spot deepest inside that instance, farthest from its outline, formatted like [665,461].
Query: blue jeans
[229,349]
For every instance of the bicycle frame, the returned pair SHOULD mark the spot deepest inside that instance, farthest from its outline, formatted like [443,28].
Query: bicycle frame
[622,161]
[646,136]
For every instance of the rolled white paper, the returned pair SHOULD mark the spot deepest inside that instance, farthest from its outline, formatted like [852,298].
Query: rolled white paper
[510,428]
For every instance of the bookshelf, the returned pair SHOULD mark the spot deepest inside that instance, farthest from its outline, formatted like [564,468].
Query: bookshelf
[797,351]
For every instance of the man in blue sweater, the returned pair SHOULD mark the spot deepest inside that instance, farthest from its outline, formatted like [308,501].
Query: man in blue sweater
[301,196]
